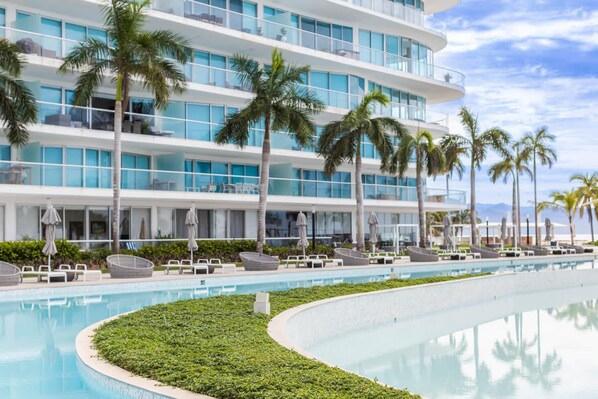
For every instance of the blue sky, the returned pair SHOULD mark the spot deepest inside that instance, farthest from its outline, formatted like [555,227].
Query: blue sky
[527,64]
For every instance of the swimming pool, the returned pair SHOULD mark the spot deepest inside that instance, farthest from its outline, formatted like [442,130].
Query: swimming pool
[37,334]
[533,345]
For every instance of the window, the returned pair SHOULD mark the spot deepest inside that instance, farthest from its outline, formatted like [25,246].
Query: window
[51,107]
[2,18]
[134,176]
[312,183]
[4,153]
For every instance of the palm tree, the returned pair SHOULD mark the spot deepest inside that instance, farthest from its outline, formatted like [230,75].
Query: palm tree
[587,193]
[567,201]
[341,141]
[453,153]
[429,159]
[476,144]
[537,147]
[282,103]
[132,55]
[17,103]
[513,165]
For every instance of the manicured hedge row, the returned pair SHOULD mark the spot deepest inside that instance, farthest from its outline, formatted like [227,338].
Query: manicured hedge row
[30,252]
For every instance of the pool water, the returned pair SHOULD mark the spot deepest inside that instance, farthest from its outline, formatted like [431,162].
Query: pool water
[541,346]
[37,337]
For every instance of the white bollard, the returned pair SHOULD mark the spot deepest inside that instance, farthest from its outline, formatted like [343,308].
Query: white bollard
[262,303]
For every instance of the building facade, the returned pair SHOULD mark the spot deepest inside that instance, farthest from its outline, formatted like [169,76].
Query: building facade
[170,160]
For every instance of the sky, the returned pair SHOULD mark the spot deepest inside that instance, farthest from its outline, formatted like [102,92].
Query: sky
[527,64]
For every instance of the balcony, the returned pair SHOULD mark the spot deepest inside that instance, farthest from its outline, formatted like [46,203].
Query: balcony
[54,114]
[287,33]
[96,177]
[33,43]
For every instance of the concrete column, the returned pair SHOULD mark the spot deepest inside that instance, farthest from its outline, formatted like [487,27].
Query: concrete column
[10,221]
[153,221]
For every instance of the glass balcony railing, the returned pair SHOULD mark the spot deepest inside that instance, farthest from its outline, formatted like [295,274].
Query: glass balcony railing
[38,44]
[287,33]
[85,176]
[392,9]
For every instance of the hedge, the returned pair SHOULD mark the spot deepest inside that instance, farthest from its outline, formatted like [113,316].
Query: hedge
[218,347]
[30,252]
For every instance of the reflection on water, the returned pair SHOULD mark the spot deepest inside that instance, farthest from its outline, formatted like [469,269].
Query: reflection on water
[38,360]
[542,353]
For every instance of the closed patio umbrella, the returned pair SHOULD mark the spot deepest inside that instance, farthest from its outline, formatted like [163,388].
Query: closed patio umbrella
[503,232]
[50,219]
[448,232]
[549,233]
[191,223]
[373,222]
[142,230]
[302,226]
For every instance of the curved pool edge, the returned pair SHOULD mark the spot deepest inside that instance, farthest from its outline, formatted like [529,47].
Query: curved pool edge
[277,327]
[490,289]
[120,380]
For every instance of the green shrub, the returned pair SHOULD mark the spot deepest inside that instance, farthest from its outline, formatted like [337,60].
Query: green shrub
[30,252]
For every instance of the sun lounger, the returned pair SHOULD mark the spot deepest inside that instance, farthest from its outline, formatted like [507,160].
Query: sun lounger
[259,262]
[223,266]
[197,266]
[43,271]
[80,270]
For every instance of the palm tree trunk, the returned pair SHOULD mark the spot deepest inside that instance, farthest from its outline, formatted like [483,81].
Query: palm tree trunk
[538,240]
[474,216]
[591,221]
[359,198]
[514,209]
[116,161]
[519,213]
[420,207]
[571,228]
[264,179]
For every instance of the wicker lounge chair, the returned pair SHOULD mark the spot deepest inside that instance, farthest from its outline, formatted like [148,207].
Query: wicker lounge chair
[254,262]
[127,266]
[538,251]
[9,274]
[485,252]
[578,249]
[421,255]
[351,258]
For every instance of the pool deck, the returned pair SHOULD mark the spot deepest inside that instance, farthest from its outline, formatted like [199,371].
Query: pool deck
[158,276]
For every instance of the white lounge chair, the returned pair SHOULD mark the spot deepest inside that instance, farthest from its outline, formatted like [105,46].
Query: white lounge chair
[199,265]
[224,266]
[43,271]
[80,269]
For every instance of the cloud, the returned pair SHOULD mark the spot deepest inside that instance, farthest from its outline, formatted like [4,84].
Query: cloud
[528,65]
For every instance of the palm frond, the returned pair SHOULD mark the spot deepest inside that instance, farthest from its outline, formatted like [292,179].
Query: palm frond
[10,60]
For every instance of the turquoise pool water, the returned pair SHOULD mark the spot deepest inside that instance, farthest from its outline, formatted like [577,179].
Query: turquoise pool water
[37,351]
[540,346]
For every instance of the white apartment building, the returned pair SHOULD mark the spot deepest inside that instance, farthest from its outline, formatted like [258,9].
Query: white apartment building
[170,160]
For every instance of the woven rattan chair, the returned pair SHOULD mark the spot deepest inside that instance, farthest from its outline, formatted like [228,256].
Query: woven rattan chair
[254,262]
[417,254]
[351,258]
[9,274]
[127,266]
[485,253]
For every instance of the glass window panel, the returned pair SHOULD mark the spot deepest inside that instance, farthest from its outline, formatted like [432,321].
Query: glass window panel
[52,175]
[51,27]
[348,34]
[50,109]
[319,79]
[323,28]
[339,83]
[2,17]
[27,222]
[98,34]
[377,41]
[365,38]
[4,153]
